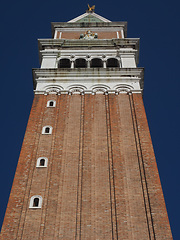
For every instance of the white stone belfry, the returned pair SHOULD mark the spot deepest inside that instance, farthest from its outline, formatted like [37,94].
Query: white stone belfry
[84,56]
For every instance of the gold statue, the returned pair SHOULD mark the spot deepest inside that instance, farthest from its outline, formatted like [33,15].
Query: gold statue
[90,9]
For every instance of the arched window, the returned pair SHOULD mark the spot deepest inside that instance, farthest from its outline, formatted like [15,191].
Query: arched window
[42,162]
[51,103]
[80,63]
[35,202]
[64,63]
[112,62]
[96,63]
[47,130]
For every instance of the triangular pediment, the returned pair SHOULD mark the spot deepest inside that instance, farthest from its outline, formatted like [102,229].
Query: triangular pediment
[89,17]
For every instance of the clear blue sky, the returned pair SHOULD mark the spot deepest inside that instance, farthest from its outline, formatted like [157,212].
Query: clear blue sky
[155,22]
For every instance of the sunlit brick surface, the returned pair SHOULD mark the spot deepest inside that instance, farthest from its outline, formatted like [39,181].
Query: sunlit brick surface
[101,181]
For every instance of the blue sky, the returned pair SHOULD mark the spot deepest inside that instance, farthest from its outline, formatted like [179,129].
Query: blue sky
[156,23]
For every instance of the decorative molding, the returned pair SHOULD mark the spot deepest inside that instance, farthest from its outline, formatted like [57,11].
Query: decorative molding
[97,90]
[87,80]
[101,43]
[53,89]
[123,88]
[76,88]
[100,88]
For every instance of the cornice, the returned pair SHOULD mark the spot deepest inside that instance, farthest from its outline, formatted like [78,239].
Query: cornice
[103,72]
[101,43]
[89,75]
[59,44]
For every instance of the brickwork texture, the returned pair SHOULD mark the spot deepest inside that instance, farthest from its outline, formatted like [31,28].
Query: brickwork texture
[101,181]
[76,34]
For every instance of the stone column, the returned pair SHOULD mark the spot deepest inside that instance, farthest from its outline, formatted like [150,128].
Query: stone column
[72,63]
[104,63]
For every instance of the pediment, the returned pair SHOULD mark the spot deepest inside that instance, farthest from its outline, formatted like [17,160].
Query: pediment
[89,17]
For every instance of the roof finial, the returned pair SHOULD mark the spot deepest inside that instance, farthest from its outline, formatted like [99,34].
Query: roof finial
[91,9]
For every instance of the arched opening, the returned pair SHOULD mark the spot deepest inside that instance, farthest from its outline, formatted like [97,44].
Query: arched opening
[112,62]
[47,130]
[96,63]
[51,103]
[42,162]
[64,63]
[80,63]
[36,202]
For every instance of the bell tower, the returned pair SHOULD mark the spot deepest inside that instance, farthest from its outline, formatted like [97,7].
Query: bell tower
[87,168]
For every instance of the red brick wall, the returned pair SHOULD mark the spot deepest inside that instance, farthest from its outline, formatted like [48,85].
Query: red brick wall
[19,197]
[96,199]
[130,209]
[101,181]
[76,35]
[157,206]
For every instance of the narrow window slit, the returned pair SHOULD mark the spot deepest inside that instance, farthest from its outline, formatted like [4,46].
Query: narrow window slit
[42,162]
[36,202]
[47,130]
[51,104]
